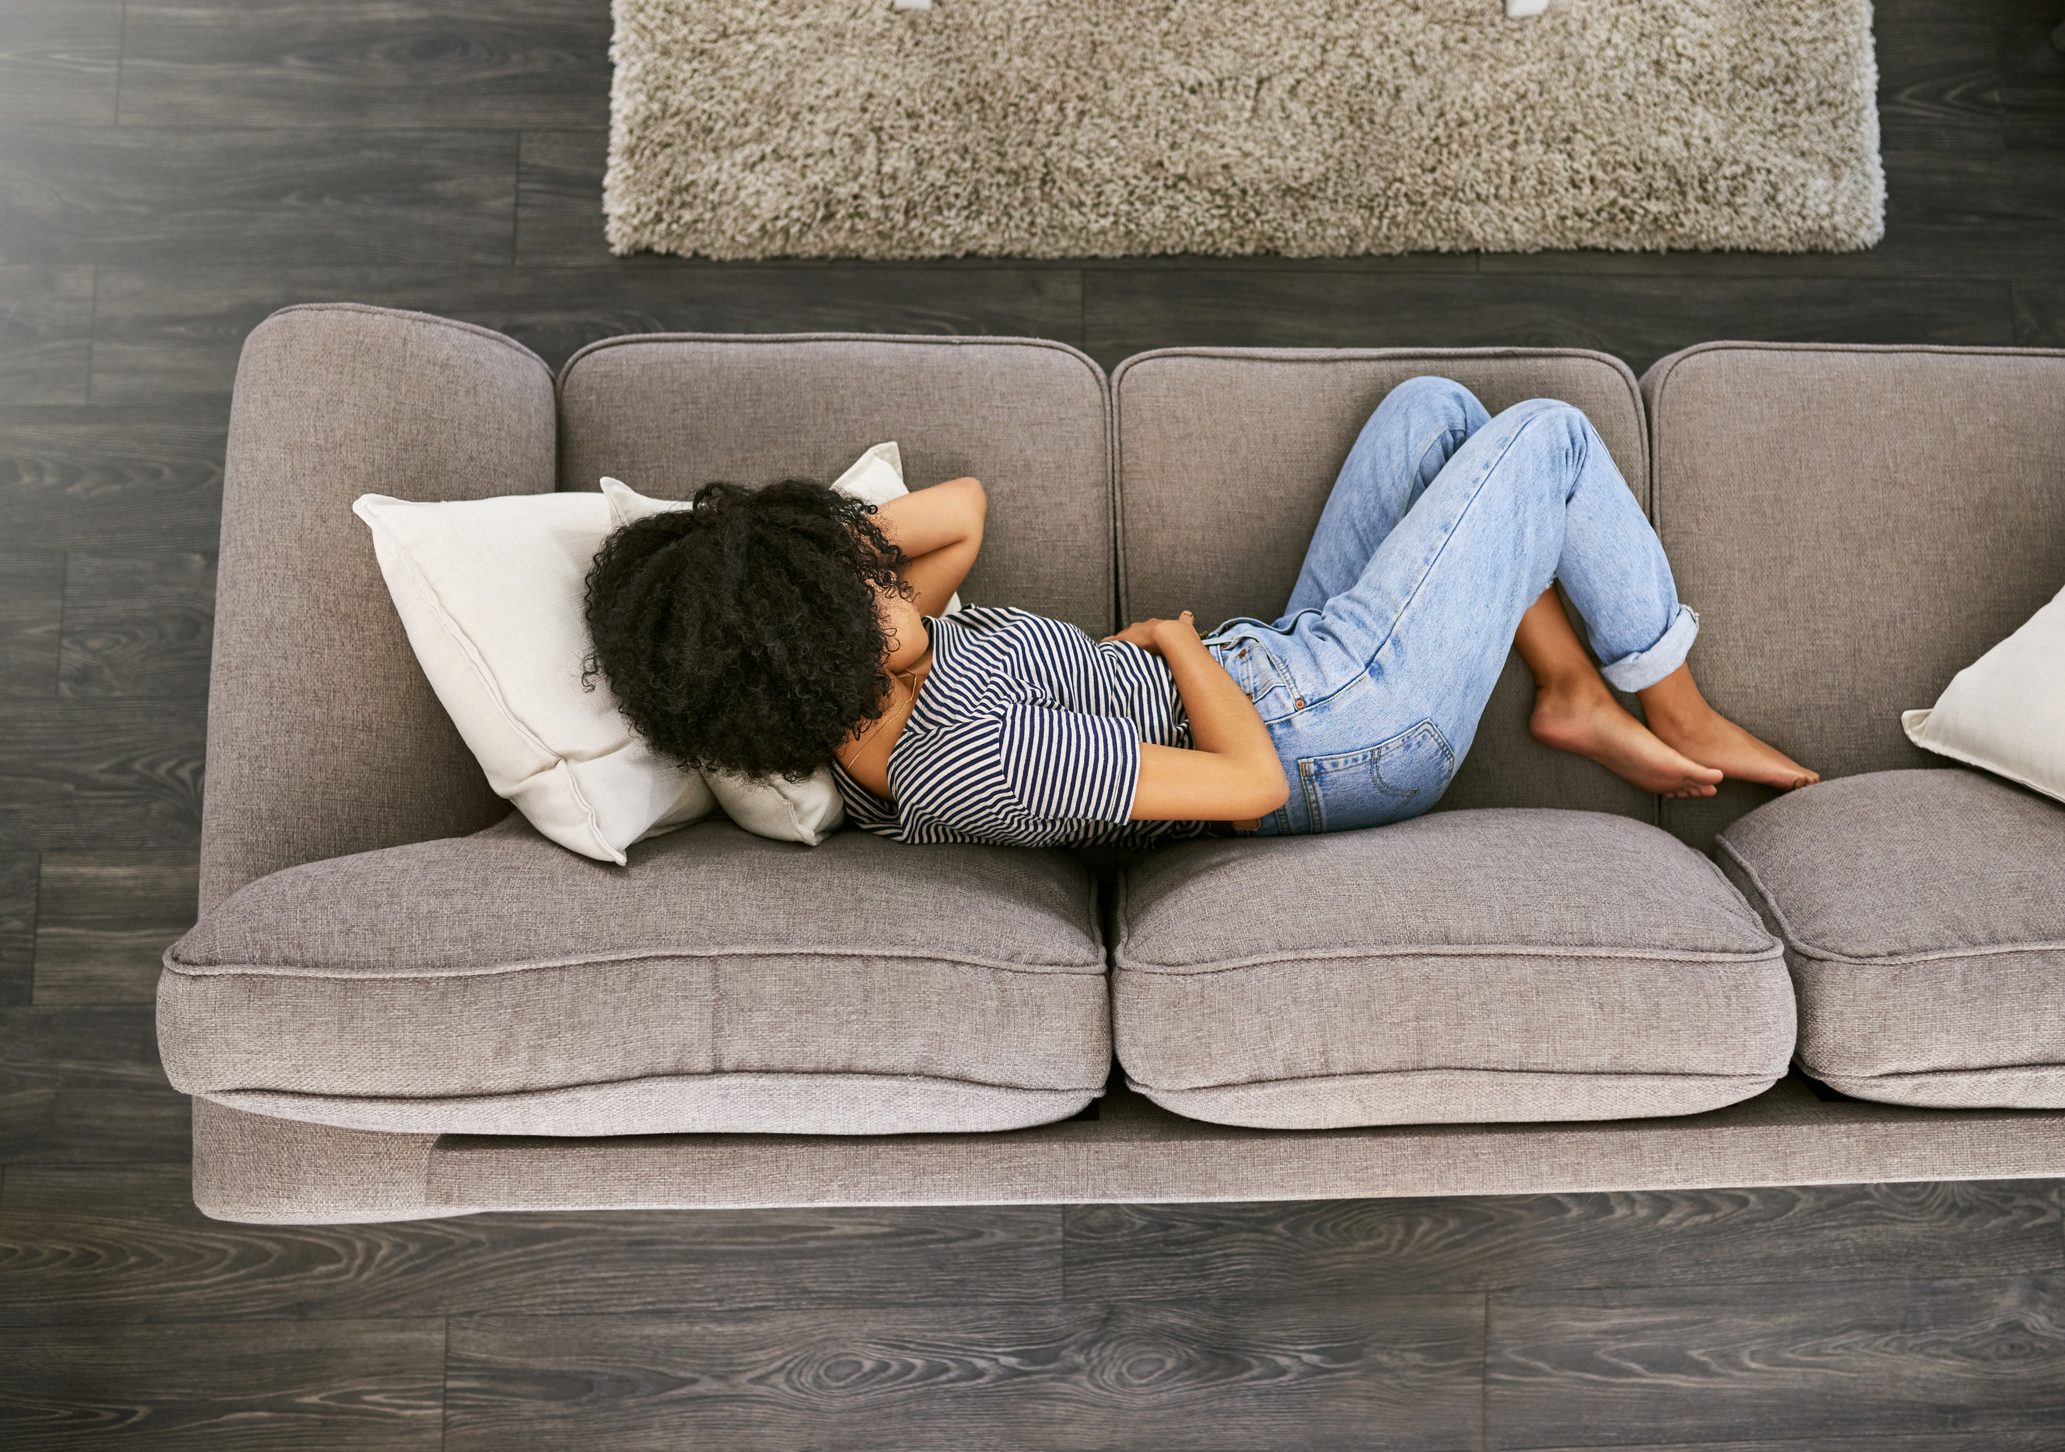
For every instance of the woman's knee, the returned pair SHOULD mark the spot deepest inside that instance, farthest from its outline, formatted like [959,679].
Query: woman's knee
[1541,446]
[1441,400]
[1552,410]
[1545,425]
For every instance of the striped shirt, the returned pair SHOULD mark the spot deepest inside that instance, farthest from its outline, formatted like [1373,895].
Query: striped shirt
[1026,732]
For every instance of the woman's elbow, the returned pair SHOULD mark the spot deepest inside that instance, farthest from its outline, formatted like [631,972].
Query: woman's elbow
[977,497]
[1273,791]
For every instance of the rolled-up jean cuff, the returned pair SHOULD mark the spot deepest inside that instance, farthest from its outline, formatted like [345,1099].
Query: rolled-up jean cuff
[1645,668]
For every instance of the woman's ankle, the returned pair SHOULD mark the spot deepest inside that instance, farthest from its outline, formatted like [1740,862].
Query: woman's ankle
[1676,699]
[1571,687]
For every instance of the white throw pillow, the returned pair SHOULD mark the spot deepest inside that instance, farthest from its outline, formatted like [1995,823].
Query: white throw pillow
[2005,712]
[490,592]
[789,811]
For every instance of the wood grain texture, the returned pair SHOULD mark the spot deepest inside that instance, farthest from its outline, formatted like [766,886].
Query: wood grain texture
[32,589]
[2009,214]
[1180,1252]
[124,1243]
[104,920]
[1803,1360]
[2040,314]
[112,476]
[166,335]
[138,624]
[1372,1374]
[281,197]
[1637,317]
[18,878]
[365,63]
[58,61]
[343,1386]
[559,200]
[1940,85]
[83,1085]
[2032,87]
[46,329]
[88,775]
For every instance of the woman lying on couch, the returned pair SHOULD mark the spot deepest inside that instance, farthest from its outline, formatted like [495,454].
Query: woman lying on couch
[770,631]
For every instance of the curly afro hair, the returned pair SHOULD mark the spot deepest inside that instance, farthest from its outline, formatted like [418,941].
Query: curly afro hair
[742,634]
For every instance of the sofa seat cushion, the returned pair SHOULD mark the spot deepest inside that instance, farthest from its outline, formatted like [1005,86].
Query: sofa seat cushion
[1923,916]
[499,984]
[1468,966]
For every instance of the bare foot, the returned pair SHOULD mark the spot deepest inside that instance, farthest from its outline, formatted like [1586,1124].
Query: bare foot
[1710,738]
[1582,717]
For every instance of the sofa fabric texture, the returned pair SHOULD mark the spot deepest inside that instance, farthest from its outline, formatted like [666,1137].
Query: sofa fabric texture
[1923,916]
[669,412]
[497,983]
[323,736]
[1225,459]
[1855,525]
[1471,966]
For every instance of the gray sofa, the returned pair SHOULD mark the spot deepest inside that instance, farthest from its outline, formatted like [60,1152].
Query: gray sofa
[400,1001]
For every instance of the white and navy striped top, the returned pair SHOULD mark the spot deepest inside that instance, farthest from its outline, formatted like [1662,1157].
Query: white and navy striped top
[1027,733]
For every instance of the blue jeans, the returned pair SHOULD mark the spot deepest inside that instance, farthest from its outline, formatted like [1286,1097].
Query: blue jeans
[1444,526]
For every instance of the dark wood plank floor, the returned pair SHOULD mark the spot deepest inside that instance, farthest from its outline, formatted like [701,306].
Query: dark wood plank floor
[171,171]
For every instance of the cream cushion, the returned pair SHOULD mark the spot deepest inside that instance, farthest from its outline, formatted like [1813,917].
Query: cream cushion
[490,593]
[791,811]
[2005,712]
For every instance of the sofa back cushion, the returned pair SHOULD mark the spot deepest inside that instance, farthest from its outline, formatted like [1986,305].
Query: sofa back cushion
[668,412]
[1226,455]
[1855,525]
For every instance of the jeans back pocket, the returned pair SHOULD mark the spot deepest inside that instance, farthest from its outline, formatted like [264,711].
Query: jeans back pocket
[1397,778]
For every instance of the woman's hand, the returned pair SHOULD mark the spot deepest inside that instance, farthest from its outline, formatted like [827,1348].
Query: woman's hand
[1230,771]
[1151,635]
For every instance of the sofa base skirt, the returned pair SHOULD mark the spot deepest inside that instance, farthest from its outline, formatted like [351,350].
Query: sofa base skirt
[735,1103]
[1453,1096]
[262,1169]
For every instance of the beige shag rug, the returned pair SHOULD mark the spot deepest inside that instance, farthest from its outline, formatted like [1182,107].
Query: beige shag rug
[1067,128]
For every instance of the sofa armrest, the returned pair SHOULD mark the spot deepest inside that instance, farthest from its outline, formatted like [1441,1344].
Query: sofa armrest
[323,736]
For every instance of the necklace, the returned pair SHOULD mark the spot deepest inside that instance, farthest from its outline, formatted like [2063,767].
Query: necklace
[910,699]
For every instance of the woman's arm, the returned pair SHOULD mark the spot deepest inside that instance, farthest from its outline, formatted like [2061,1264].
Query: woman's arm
[1231,773]
[940,530]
